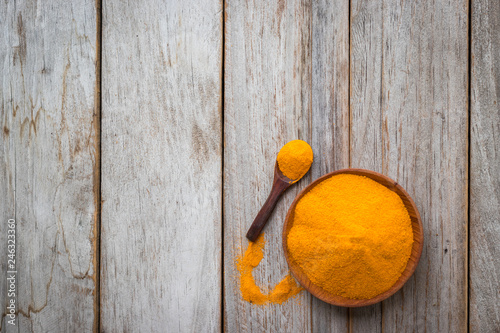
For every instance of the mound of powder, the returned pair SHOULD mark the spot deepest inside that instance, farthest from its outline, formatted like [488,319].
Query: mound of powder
[295,159]
[351,236]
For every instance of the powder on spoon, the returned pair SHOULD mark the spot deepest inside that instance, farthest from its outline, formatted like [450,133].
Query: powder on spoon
[351,236]
[295,159]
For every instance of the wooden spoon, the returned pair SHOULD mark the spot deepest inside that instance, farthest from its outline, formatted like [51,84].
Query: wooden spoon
[416,251]
[280,184]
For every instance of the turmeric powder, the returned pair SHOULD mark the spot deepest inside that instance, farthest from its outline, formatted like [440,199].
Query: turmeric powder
[295,159]
[249,290]
[351,236]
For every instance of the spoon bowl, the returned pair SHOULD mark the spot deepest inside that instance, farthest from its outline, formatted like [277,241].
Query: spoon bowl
[416,251]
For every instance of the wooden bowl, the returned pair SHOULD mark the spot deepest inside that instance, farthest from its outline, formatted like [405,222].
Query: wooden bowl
[416,251]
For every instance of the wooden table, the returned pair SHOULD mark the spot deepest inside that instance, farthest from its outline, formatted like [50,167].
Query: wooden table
[139,138]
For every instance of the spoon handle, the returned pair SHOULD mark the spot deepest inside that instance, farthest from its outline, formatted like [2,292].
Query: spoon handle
[279,186]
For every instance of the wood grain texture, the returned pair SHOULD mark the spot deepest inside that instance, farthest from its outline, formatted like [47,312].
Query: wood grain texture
[484,168]
[409,121]
[48,161]
[161,166]
[330,118]
[365,109]
[267,104]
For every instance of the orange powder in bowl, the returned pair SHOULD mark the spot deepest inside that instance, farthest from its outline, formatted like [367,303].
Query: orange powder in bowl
[351,236]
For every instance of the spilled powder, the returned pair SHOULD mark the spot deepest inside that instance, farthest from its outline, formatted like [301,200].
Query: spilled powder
[252,293]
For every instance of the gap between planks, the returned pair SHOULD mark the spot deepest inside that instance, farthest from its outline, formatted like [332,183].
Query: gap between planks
[97,173]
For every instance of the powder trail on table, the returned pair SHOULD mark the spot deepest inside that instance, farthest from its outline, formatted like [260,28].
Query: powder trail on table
[351,236]
[252,293]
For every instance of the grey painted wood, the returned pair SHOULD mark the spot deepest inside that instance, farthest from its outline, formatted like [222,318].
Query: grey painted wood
[161,166]
[267,103]
[330,118]
[48,162]
[409,121]
[484,168]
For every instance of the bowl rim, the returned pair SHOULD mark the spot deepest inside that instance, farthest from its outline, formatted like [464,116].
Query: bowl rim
[417,247]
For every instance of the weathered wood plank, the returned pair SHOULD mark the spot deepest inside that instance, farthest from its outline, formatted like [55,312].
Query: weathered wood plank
[365,109]
[409,121]
[161,166]
[267,103]
[330,118]
[48,162]
[484,168]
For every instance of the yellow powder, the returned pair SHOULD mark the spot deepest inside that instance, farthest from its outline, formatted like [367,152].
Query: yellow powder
[351,236]
[295,159]
[249,290]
